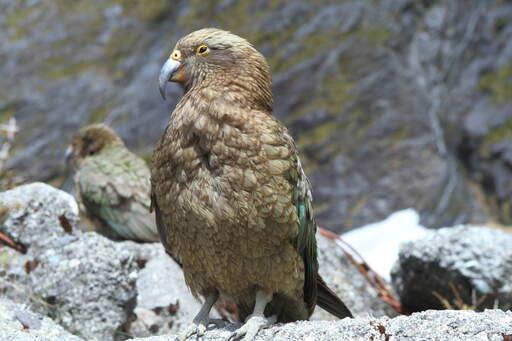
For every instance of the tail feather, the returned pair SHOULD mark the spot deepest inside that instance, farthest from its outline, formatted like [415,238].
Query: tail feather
[328,300]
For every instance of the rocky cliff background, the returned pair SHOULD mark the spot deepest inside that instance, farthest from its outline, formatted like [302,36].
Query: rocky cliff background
[393,103]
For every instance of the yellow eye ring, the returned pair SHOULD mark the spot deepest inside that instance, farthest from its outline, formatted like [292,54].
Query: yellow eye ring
[202,50]
[176,55]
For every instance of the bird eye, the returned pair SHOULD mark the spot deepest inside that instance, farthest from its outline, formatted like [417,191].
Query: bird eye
[176,55]
[203,50]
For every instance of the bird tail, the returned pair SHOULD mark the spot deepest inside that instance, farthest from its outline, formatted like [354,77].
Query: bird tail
[328,300]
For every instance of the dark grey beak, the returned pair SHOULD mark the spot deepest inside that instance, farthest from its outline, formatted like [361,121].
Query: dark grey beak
[166,73]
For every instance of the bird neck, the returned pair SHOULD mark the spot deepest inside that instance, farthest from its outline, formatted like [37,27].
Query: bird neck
[202,113]
[245,91]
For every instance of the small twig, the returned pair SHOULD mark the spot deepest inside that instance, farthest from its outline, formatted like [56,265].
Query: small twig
[65,224]
[458,302]
[444,302]
[376,281]
[8,241]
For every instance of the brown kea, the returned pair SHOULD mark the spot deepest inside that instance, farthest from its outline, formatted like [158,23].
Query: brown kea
[112,185]
[232,202]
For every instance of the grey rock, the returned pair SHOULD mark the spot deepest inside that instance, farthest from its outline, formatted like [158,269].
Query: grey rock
[33,214]
[27,320]
[451,325]
[447,325]
[164,302]
[348,283]
[90,285]
[474,263]
[18,323]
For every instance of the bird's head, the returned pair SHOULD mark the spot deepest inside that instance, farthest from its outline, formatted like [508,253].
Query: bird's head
[218,59]
[91,140]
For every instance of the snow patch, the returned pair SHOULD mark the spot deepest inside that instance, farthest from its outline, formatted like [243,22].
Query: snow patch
[379,242]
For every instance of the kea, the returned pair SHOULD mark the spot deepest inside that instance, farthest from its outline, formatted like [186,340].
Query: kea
[233,204]
[112,185]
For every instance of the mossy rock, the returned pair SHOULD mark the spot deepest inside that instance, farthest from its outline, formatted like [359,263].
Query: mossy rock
[499,84]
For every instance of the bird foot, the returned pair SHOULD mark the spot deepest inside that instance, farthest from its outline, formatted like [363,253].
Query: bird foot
[252,326]
[201,321]
[198,329]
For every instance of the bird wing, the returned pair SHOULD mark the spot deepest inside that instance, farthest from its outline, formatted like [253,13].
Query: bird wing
[162,229]
[281,146]
[306,240]
[114,188]
[282,154]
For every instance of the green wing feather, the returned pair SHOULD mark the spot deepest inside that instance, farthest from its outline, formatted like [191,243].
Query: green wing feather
[109,216]
[306,240]
[114,189]
[315,289]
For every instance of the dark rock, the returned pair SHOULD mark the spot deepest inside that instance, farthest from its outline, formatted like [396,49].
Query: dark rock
[455,267]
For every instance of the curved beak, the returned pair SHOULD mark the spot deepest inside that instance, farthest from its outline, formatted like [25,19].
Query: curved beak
[166,74]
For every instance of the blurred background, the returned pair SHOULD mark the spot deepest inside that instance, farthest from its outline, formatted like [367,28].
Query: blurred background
[394,103]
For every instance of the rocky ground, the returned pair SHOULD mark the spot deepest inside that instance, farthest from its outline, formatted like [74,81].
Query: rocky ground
[98,289]
[18,323]
[408,100]
[64,284]
[492,325]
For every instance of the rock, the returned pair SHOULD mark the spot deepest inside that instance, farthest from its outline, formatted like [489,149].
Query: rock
[348,283]
[473,263]
[407,100]
[37,215]
[430,325]
[20,324]
[164,302]
[90,285]
[451,325]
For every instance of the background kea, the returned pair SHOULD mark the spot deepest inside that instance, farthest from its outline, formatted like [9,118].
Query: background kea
[232,202]
[112,185]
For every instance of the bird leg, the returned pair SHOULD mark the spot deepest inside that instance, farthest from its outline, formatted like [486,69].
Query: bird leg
[202,319]
[257,320]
